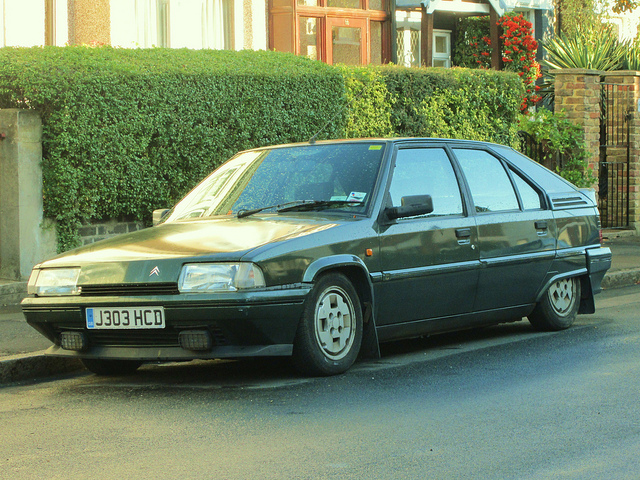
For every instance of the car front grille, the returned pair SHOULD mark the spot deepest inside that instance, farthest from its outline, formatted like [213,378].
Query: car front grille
[133,289]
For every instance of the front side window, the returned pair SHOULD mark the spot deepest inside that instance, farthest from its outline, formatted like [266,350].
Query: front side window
[426,171]
[488,181]
[336,177]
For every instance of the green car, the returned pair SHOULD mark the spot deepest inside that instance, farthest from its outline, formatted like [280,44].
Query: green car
[320,251]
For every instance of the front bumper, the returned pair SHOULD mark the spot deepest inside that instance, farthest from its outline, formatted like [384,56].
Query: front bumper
[252,323]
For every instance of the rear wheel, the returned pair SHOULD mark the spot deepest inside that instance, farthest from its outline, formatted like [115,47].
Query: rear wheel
[330,331]
[110,367]
[559,306]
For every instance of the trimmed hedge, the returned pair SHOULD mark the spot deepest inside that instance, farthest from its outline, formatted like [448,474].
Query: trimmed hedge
[127,131]
[433,102]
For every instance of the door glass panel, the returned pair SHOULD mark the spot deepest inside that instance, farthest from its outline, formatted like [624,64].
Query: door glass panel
[488,181]
[347,44]
[426,171]
[309,3]
[344,3]
[376,43]
[376,5]
[309,37]
[530,197]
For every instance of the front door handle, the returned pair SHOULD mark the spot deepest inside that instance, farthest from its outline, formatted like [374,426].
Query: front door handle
[463,232]
[541,225]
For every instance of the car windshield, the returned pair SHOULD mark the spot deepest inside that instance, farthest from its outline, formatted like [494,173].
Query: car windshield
[339,177]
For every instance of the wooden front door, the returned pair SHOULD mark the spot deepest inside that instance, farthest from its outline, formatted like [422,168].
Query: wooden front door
[347,41]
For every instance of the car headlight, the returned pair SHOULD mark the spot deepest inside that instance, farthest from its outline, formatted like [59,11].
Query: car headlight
[48,282]
[219,277]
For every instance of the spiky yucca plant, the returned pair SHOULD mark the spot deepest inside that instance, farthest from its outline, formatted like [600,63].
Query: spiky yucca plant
[593,50]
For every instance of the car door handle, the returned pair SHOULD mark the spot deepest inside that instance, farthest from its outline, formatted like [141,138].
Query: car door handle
[463,232]
[541,225]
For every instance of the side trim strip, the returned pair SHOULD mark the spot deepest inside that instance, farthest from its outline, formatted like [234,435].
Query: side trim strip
[430,270]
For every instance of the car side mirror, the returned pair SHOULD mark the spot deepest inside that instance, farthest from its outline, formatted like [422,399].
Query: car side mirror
[412,205]
[158,215]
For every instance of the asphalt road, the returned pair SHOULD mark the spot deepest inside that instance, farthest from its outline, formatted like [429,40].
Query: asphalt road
[497,403]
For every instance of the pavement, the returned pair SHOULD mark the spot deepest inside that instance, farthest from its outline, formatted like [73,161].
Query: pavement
[22,348]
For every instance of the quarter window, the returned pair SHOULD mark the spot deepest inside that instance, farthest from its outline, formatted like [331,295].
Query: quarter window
[529,196]
[488,181]
[426,171]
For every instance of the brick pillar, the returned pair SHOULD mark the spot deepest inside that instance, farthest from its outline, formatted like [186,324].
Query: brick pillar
[631,81]
[89,22]
[577,92]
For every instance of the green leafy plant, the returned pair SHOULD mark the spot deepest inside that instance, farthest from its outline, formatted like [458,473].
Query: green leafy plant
[473,46]
[563,145]
[598,50]
[128,131]
[434,102]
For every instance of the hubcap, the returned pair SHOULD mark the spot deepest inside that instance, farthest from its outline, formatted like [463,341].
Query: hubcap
[562,296]
[334,323]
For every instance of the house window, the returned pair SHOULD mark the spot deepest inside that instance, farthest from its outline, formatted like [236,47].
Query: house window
[22,23]
[408,38]
[353,32]
[441,48]
[192,24]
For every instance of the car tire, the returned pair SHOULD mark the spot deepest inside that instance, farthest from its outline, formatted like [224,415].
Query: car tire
[559,306]
[110,367]
[330,331]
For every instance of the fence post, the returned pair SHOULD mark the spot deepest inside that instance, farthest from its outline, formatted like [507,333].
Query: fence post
[23,239]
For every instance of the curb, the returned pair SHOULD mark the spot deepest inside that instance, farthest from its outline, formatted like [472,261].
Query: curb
[30,366]
[621,278]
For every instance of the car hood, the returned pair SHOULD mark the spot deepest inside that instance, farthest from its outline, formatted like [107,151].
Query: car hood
[132,257]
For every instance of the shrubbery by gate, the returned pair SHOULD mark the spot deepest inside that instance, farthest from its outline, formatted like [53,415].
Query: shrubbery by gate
[127,131]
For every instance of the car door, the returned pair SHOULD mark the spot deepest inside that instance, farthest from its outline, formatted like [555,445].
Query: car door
[429,263]
[516,238]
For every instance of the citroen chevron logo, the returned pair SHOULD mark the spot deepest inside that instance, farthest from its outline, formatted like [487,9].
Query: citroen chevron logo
[155,271]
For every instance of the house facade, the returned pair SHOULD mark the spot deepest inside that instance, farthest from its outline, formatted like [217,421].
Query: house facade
[361,32]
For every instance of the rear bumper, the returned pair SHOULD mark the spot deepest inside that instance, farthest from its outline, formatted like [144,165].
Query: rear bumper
[598,262]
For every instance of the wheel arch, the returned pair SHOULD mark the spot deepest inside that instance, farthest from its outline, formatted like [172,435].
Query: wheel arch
[587,302]
[356,271]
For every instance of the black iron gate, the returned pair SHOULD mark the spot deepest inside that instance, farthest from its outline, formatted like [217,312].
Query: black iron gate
[615,150]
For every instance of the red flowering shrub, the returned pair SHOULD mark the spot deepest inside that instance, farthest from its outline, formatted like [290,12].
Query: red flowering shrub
[519,54]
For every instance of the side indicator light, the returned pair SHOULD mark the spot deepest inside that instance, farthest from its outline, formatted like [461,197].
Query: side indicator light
[369,252]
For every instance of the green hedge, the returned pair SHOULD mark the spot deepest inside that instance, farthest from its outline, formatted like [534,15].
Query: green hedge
[433,102]
[127,131]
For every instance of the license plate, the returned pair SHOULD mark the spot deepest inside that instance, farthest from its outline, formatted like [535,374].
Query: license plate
[125,318]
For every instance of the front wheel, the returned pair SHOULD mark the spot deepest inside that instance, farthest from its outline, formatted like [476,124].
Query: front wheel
[110,367]
[330,331]
[559,306]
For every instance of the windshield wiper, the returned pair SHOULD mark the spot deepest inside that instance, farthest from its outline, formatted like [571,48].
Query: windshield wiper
[299,206]
[245,213]
[305,205]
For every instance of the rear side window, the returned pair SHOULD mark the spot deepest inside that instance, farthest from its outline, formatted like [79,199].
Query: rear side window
[550,181]
[426,171]
[490,186]
[530,197]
